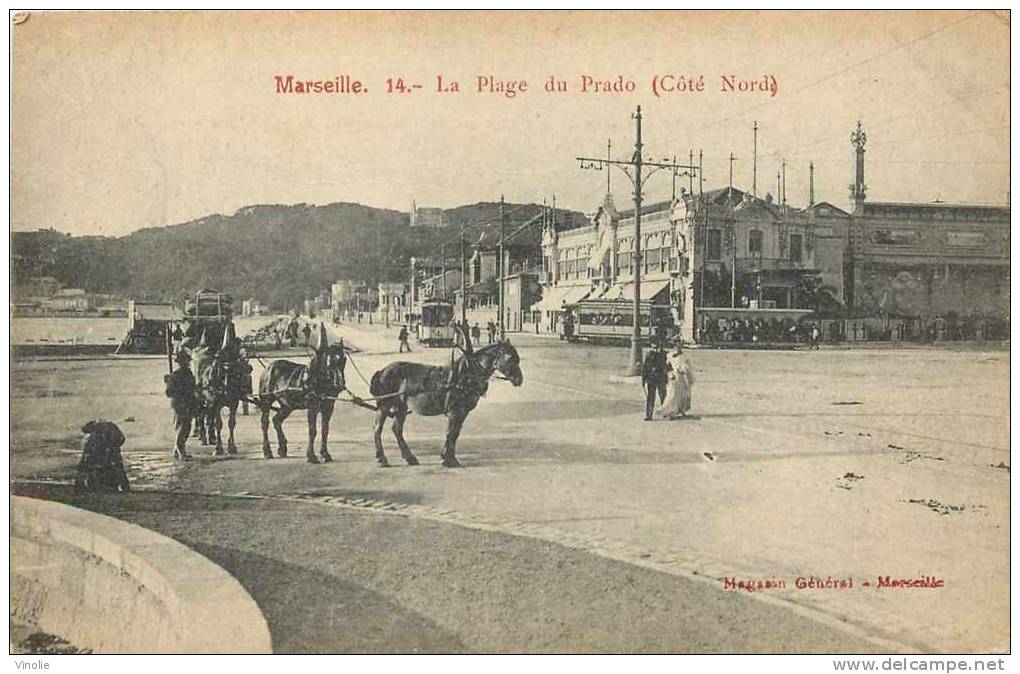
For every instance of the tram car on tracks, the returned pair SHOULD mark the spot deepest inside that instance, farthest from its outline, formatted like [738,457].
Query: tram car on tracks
[434,328]
[612,321]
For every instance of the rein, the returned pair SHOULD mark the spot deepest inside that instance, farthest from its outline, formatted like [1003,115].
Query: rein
[489,372]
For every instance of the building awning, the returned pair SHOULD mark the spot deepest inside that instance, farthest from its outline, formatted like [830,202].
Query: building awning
[650,291]
[557,297]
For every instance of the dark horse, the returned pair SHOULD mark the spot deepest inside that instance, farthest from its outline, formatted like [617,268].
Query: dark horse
[313,387]
[223,379]
[433,390]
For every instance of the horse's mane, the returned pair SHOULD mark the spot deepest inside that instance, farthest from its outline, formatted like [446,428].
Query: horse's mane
[489,348]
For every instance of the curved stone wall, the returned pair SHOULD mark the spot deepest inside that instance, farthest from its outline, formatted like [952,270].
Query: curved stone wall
[114,587]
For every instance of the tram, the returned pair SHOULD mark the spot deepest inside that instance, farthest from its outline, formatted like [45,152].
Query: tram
[434,328]
[610,321]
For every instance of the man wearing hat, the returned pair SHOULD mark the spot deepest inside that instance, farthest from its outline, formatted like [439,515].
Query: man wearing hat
[183,394]
[653,377]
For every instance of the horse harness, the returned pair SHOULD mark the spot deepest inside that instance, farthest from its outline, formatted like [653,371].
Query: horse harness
[467,378]
[220,379]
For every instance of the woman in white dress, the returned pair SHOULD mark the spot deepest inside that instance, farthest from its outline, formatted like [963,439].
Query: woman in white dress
[679,385]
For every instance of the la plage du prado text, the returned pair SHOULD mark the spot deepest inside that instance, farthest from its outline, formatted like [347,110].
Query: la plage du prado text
[659,84]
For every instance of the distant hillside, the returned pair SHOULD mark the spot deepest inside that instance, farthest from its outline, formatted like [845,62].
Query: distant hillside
[488,211]
[280,254]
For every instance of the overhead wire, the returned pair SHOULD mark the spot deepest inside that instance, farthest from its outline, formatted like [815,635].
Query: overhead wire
[846,69]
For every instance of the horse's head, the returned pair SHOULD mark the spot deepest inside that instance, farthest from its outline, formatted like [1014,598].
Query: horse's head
[328,363]
[508,362]
[232,372]
[205,369]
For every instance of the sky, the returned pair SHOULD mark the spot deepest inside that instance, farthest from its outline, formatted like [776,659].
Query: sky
[130,120]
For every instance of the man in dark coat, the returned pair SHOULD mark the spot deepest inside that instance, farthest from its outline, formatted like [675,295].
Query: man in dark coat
[101,467]
[653,377]
[183,394]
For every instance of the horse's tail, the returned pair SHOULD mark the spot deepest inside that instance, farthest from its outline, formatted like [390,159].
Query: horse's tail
[375,386]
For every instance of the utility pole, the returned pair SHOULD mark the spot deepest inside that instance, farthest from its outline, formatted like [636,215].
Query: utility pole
[463,281]
[414,281]
[704,230]
[690,176]
[754,169]
[442,251]
[635,169]
[501,267]
[674,180]
[784,183]
[609,174]
[811,184]
[733,262]
[635,340]
[733,243]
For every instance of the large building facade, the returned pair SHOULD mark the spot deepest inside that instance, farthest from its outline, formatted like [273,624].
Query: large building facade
[931,262]
[933,268]
[597,260]
[722,248]
[941,270]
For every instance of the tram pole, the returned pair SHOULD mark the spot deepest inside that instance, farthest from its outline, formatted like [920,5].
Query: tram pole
[501,268]
[463,282]
[635,339]
[638,170]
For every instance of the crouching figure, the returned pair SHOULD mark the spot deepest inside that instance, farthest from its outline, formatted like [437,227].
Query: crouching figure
[101,467]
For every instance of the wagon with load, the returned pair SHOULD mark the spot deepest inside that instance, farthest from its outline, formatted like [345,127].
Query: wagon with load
[207,314]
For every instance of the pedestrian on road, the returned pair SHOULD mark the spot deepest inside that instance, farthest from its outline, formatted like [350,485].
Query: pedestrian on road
[476,334]
[653,377]
[679,384]
[183,394]
[815,334]
[307,332]
[490,327]
[403,339]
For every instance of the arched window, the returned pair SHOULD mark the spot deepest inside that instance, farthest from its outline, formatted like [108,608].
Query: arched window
[476,270]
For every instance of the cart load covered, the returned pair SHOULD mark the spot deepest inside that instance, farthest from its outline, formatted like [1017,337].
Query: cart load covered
[209,303]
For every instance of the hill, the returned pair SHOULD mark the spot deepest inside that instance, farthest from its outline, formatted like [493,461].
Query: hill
[279,254]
